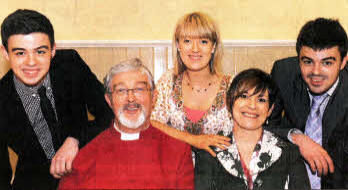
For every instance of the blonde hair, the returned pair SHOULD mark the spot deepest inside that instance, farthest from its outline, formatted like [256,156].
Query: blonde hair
[197,25]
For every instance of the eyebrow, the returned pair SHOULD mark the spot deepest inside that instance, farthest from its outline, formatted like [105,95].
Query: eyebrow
[324,59]
[263,95]
[22,49]
[329,58]
[121,83]
[142,82]
[305,57]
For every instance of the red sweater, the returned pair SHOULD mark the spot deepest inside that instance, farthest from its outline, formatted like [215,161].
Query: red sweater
[155,161]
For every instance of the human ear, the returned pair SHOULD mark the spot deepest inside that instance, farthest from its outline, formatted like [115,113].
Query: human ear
[53,50]
[4,53]
[270,111]
[107,98]
[344,62]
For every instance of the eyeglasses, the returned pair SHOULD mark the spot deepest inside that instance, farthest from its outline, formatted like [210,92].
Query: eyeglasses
[138,92]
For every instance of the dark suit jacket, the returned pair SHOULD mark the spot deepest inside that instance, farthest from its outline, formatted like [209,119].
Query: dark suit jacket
[5,168]
[210,174]
[76,90]
[293,99]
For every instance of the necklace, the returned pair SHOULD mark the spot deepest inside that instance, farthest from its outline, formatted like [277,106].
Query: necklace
[195,88]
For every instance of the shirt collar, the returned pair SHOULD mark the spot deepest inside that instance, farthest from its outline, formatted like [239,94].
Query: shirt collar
[127,136]
[31,90]
[333,88]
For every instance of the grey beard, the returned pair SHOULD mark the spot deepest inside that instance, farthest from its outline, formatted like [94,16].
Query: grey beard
[131,124]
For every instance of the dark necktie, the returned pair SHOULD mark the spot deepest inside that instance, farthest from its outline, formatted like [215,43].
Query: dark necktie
[49,115]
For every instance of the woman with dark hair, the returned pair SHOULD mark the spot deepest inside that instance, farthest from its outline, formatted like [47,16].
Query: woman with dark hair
[190,103]
[256,158]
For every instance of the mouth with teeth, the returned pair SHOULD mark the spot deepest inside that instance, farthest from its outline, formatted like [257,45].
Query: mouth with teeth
[132,107]
[316,81]
[30,72]
[132,115]
[250,115]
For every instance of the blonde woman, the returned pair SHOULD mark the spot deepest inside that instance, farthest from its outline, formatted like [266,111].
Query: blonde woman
[190,103]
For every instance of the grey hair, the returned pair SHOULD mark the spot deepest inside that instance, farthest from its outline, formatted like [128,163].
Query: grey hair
[134,64]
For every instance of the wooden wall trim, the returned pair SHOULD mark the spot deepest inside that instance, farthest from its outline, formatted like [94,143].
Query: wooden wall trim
[113,43]
[166,43]
[259,43]
[162,49]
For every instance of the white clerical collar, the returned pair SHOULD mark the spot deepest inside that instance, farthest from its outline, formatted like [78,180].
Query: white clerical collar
[127,136]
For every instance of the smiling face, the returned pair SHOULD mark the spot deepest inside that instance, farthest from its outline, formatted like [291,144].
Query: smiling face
[320,69]
[196,52]
[131,100]
[250,110]
[29,56]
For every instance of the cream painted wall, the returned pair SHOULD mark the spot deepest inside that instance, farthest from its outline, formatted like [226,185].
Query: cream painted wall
[155,19]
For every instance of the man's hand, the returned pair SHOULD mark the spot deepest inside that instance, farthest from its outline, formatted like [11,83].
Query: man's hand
[205,141]
[62,161]
[318,159]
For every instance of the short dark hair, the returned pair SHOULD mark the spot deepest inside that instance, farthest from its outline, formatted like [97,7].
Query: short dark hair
[249,79]
[24,21]
[323,33]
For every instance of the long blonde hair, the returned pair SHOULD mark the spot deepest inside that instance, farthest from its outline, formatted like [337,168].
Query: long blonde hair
[197,25]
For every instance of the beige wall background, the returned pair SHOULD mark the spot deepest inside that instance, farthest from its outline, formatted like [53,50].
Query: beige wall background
[155,19]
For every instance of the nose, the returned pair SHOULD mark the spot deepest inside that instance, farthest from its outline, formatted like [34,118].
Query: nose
[316,68]
[130,95]
[195,46]
[31,59]
[252,102]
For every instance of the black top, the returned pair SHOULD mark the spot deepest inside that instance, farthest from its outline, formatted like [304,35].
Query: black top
[279,165]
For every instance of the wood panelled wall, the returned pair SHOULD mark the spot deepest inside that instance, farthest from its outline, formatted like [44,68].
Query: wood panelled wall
[158,59]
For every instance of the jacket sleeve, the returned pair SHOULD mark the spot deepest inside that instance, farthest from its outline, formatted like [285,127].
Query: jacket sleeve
[345,170]
[97,106]
[278,122]
[298,177]
[205,175]
[5,167]
[87,93]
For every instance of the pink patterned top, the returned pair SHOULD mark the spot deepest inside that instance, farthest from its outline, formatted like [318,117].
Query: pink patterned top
[169,108]
[194,115]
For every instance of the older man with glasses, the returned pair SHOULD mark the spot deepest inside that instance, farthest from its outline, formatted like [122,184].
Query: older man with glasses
[131,154]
